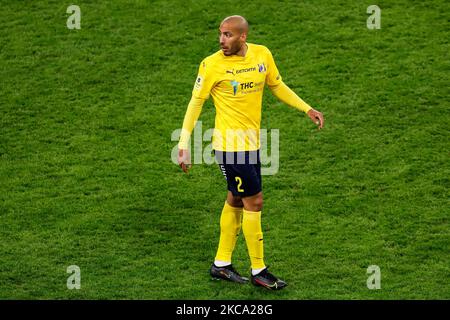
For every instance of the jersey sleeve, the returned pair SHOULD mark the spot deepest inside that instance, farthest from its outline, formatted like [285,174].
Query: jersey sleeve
[273,77]
[204,82]
[286,95]
[190,118]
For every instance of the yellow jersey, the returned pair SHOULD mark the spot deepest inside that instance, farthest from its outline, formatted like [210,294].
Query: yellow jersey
[236,85]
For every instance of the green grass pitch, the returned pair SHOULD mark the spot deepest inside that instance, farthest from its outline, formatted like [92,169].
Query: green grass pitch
[85,141]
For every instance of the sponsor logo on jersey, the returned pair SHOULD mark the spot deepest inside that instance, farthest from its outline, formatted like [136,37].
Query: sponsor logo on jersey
[245,70]
[246,85]
[238,71]
[252,87]
[235,85]
[198,82]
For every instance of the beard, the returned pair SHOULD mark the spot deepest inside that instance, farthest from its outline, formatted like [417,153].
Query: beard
[235,48]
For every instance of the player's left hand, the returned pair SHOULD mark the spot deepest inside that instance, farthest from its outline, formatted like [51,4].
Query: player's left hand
[316,117]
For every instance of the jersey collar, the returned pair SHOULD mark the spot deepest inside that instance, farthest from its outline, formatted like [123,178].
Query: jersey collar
[236,57]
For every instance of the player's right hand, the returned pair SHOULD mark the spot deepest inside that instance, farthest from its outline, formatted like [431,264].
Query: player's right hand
[184,159]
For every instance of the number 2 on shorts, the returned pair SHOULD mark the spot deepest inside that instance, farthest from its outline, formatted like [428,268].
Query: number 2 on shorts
[239,181]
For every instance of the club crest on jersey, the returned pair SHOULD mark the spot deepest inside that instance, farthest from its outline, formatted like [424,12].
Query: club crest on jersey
[261,67]
[235,86]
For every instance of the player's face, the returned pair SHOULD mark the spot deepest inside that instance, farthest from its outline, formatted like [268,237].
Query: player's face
[230,39]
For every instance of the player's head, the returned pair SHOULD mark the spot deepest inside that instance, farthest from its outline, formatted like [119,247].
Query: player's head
[232,34]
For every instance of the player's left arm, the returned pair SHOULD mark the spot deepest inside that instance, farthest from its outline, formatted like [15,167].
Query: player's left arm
[286,95]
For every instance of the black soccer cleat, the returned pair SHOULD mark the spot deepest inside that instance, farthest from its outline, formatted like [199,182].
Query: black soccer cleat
[267,280]
[227,273]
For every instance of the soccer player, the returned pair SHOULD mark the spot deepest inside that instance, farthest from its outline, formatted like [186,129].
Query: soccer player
[235,77]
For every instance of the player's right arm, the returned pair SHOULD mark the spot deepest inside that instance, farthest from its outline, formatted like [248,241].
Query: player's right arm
[200,94]
[190,118]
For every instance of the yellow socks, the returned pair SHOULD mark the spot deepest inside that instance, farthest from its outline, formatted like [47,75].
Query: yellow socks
[230,226]
[251,226]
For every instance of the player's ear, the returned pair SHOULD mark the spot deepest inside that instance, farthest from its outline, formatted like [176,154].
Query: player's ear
[244,36]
